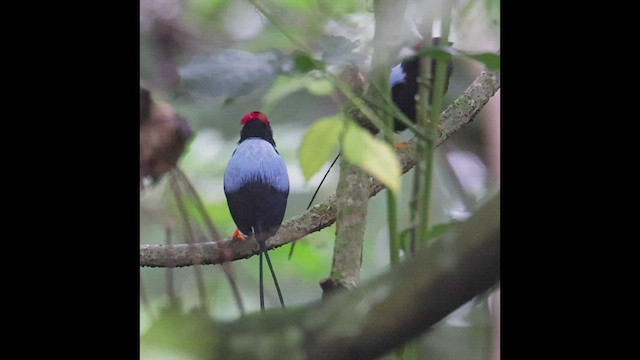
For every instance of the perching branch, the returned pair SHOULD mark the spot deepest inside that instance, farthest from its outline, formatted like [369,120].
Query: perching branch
[364,323]
[460,112]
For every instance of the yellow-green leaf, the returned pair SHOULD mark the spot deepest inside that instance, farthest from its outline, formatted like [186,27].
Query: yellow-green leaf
[281,88]
[491,60]
[320,87]
[374,156]
[318,143]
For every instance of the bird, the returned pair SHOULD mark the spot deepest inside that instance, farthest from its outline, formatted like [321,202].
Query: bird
[403,80]
[256,185]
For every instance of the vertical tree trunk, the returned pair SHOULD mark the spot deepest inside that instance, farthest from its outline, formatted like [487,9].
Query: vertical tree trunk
[352,197]
[352,194]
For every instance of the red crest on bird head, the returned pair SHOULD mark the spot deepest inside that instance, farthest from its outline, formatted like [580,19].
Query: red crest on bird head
[254,115]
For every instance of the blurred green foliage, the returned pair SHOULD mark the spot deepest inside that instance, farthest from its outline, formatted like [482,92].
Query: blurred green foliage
[373,155]
[319,142]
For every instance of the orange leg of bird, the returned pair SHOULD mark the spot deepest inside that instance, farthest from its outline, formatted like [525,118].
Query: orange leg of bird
[440,127]
[399,145]
[239,235]
[402,144]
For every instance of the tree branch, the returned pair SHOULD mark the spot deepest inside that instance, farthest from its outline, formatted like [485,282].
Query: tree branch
[460,112]
[364,323]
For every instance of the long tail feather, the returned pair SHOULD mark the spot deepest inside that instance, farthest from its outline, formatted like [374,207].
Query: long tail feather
[263,250]
[293,244]
[261,283]
[275,279]
[322,181]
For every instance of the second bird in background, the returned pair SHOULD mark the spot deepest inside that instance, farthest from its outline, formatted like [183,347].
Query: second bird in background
[403,81]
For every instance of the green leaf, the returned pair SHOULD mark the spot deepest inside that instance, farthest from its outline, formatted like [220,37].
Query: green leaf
[374,156]
[436,53]
[303,62]
[320,87]
[318,143]
[287,85]
[281,88]
[490,60]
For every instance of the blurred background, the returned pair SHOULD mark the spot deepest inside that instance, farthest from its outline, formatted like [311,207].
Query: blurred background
[173,34]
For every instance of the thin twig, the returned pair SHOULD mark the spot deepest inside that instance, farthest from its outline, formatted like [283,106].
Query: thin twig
[215,235]
[190,237]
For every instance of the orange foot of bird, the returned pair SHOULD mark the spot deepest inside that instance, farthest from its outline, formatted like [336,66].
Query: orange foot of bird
[239,235]
[439,126]
[399,145]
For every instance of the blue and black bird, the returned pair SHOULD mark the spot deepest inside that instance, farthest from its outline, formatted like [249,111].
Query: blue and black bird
[256,184]
[403,81]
